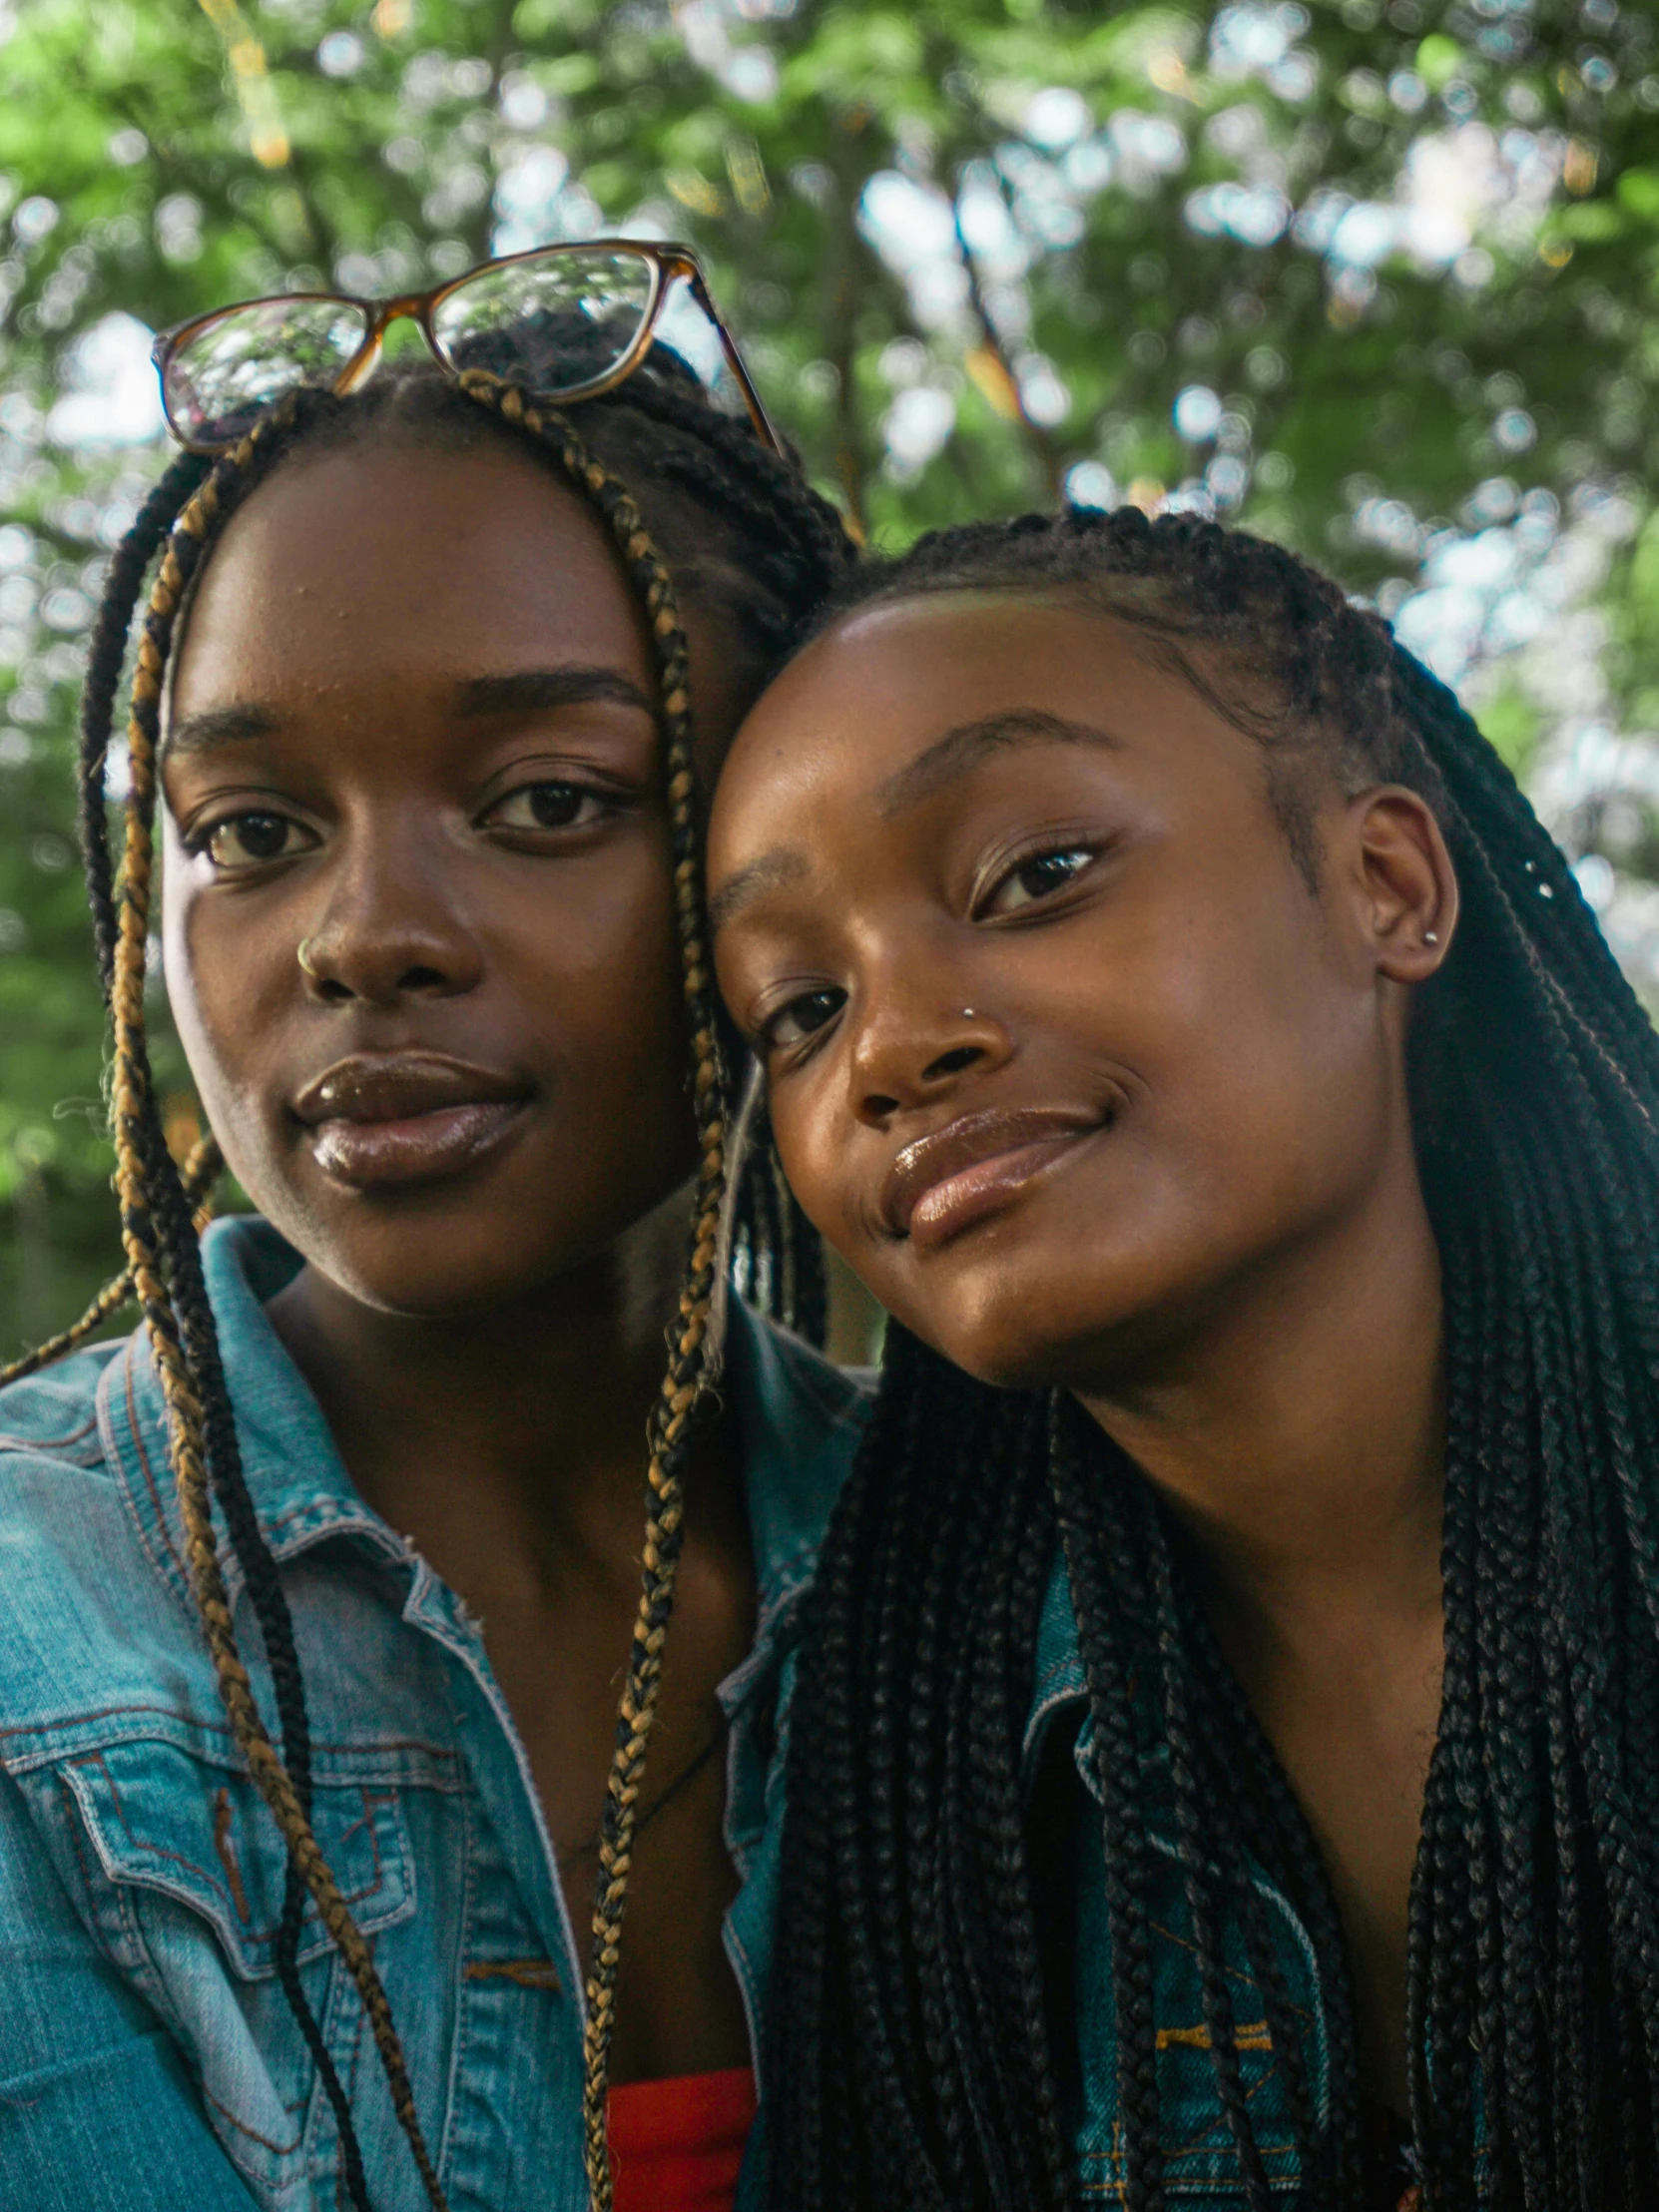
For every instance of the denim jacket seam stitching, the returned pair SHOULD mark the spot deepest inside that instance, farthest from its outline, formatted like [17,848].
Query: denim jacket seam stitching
[211,1882]
[52,1728]
[139,1965]
[166,1561]
[1239,1975]
[276,2150]
[464,1993]
[96,1759]
[353,2066]
[53,1752]
[44,1445]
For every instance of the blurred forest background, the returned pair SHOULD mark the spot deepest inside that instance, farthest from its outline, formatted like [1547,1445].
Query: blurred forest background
[1378,280]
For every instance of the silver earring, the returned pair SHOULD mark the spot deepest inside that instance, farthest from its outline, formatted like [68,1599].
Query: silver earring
[1429,937]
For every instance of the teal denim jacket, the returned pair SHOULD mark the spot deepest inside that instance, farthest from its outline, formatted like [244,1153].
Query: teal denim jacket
[147,2059]
[1201,2167]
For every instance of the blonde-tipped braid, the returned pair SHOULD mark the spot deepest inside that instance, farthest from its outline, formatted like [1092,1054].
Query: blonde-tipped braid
[196,1175]
[187,1438]
[165,1274]
[683,1384]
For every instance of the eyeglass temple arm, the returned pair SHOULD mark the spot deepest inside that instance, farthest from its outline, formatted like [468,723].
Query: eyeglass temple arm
[733,359]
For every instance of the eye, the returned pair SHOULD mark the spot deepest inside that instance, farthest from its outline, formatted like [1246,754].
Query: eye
[549,805]
[253,840]
[801,1018]
[1037,877]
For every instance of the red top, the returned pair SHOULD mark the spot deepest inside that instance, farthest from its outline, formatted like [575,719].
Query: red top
[676,2145]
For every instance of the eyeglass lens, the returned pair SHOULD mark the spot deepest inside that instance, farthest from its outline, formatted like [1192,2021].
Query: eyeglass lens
[587,309]
[220,379]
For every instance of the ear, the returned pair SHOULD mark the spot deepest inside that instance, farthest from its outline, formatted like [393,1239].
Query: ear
[1406,887]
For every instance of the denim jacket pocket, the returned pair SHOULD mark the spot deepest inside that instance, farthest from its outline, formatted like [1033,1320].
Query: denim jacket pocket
[1200,2164]
[179,1870]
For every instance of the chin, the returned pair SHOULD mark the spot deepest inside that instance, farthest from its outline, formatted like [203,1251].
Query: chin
[1046,1334]
[431,1285]
[996,1340]
[443,1254]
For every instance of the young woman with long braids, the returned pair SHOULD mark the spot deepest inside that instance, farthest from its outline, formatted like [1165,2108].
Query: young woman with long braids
[412,706]
[1226,1767]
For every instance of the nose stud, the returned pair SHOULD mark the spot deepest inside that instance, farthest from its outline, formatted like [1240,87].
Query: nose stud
[969,1014]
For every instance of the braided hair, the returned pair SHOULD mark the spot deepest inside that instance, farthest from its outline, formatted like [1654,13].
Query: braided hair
[914,2055]
[753,544]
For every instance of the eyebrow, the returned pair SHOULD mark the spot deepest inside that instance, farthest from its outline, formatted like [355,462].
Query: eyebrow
[970,743]
[525,691]
[530,690]
[781,865]
[217,726]
[939,764]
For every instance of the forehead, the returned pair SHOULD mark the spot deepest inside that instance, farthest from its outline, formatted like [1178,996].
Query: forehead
[414,560]
[884,684]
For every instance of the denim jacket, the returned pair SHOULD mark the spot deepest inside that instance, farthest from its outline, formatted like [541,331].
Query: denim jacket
[1201,2166]
[147,2058]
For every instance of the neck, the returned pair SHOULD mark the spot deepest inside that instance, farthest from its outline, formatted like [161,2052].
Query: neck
[496,1438]
[1297,1431]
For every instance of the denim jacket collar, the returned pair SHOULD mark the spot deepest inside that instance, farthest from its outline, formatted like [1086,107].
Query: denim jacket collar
[302,1493]
[141,1874]
[1059,1684]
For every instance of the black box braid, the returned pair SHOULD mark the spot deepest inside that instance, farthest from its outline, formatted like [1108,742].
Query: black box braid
[907,2061]
[772,549]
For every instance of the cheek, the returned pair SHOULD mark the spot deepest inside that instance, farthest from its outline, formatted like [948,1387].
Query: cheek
[1224,1004]
[819,1147]
[229,1005]
[597,964]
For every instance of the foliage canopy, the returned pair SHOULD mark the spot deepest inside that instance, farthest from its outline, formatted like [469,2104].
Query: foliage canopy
[1381,281]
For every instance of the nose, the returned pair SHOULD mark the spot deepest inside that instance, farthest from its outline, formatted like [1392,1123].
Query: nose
[388,934]
[914,1044]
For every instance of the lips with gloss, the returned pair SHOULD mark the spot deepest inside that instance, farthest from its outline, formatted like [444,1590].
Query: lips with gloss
[945,1182]
[384,1119]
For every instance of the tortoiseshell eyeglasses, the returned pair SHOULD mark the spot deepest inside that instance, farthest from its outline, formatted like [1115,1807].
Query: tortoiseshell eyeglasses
[220,372]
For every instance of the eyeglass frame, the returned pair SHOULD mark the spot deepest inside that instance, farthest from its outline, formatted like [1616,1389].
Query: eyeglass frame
[667,263]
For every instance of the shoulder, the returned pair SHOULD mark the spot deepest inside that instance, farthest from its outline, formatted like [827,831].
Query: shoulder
[56,1469]
[55,1414]
[96,1612]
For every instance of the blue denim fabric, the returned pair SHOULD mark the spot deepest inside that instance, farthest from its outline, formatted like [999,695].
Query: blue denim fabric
[147,2059]
[1201,2166]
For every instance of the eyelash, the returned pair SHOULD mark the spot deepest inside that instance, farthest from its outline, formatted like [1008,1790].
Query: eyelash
[767,1033]
[1085,854]
[605,801]
[201,838]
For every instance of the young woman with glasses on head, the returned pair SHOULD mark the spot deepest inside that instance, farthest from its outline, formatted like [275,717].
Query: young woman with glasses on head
[319,1810]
